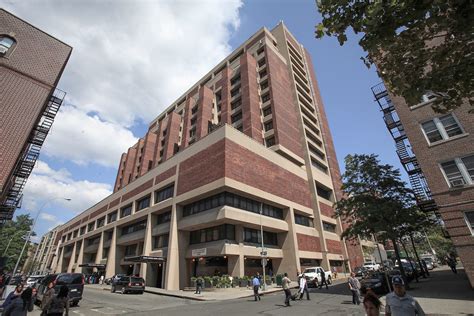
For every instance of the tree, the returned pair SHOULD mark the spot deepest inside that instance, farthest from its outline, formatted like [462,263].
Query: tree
[376,201]
[12,235]
[418,46]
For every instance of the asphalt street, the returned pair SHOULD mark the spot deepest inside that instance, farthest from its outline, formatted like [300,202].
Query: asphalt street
[334,301]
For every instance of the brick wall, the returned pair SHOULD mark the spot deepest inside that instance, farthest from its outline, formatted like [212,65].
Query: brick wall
[308,243]
[204,115]
[252,125]
[334,246]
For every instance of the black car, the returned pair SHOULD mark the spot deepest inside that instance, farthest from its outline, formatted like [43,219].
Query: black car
[74,282]
[377,282]
[125,284]
[360,271]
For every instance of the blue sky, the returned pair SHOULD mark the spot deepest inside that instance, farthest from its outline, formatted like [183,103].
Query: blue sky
[119,78]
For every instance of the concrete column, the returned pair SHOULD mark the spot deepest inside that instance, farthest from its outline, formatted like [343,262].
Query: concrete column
[184,275]
[290,263]
[240,263]
[147,246]
[73,258]
[57,265]
[172,263]
[111,258]
[80,258]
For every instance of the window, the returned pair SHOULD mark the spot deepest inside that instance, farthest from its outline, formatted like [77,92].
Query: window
[82,231]
[253,236]
[233,200]
[93,241]
[160,241]
[143,203]
[234,92]
[270,141]
[218,96]
[5,44]
[193,121]
[105,252]
[221,232]
[133,228]
[323,192]
[329,227]
[260,50]
[163,218]
[194,110]
[235,80]
[459,171]
[267,111]
[235,104]
[74,235]
[469,217]
[126,211]
[108,235]
[268,126]
[90,227]
[131,250]
[264,85]
[236,117]
[319,165]
[304,220]
[265,97]
[261,62]
[164,194]
[101,222]
[112,217]
[441,128]
[192,132]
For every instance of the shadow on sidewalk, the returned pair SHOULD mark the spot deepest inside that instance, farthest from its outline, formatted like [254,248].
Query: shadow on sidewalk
[443,284]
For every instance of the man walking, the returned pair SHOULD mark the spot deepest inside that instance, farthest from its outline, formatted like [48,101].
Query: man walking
[256,286]
[303,287]
[286,287]
[198,285]
[354,286]
[398,303]
[323,279]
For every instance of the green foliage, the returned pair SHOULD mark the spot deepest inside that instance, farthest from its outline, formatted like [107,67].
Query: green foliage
[13,234]
[417,46]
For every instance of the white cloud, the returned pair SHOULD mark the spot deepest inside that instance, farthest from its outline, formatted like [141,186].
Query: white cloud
[82,138]
[132,59]
[51,218]
[47,187]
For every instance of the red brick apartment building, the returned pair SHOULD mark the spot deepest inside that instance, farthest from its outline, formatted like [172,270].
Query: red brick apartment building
[247,146]
[437,151]
[31,63]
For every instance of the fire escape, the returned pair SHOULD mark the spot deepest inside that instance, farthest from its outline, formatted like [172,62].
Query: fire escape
[28,158]
[408,159]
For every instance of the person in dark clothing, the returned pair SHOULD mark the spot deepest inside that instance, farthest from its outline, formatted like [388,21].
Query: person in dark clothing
[20,306]
[13,295]
[60,303]
[452,264]
[323,280]
[198,286]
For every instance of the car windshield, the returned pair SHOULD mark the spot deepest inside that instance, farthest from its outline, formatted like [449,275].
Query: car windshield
[137,280]
[309,270]
[73,278]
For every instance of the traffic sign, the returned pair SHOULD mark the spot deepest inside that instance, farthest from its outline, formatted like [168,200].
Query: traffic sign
[264,262]
[263,253]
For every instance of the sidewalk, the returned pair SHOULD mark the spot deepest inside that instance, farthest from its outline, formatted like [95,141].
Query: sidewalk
[217,294]
[444,293]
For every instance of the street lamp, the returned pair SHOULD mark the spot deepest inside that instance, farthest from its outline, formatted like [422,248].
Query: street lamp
[9,242]
[32,228]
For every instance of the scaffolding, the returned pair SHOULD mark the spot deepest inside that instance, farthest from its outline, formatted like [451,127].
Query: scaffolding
[28,158]
[404,151]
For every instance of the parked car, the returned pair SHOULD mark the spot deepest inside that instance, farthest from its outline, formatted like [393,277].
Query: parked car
[360,271]
[377,282]
[372,266]
[108,281]
[313,275]
[126,284]
[430,264]
[74,282]
[32,279]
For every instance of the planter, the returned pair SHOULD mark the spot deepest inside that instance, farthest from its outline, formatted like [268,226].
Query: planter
[243,283]
[268,282]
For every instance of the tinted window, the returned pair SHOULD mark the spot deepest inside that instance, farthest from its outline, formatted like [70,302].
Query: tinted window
[137,280]
[73,278]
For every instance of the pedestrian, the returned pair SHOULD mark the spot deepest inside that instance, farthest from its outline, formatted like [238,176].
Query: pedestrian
[102,279]
[354,286]
[198,285]
[372,305]
[13,295]
[452,263]
[22,305]
[47,296]
[303,287]
[256,286]
[398,303]
[323,279]
[286,287]
[60,303]
[334,272]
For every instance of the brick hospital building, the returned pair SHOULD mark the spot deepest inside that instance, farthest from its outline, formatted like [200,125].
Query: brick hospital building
[250,137]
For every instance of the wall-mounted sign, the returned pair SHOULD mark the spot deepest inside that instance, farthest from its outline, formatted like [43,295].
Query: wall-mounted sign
[199,252]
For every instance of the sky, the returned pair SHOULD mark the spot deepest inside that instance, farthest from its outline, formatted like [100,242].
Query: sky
[132,59]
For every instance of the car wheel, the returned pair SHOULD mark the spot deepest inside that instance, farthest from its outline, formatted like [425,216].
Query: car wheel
[140,292]
[329,280]
[112,289]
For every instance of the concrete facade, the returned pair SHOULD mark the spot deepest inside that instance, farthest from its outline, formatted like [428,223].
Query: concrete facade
[29,70]
[250,137]
[45,253]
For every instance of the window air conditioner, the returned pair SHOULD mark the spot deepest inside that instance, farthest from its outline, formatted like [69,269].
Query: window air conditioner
[457,183]
[3,50]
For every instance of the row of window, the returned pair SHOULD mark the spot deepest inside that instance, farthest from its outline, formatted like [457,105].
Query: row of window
[253,236]
[233,200]
[304,220]
[135,227]
[220,232]
[160,241]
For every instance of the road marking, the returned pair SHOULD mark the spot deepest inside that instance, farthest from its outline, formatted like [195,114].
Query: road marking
[77,312]
[112,311]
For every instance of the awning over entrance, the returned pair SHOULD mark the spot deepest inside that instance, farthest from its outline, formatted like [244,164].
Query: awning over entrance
[145,259]
[92,265]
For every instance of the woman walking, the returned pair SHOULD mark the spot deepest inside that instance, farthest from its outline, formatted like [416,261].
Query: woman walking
[20,307]
[47,297]
[59,304]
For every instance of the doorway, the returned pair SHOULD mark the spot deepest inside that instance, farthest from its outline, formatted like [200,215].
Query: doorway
[159,276]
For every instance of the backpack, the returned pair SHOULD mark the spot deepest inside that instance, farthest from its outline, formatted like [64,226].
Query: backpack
[57,305]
